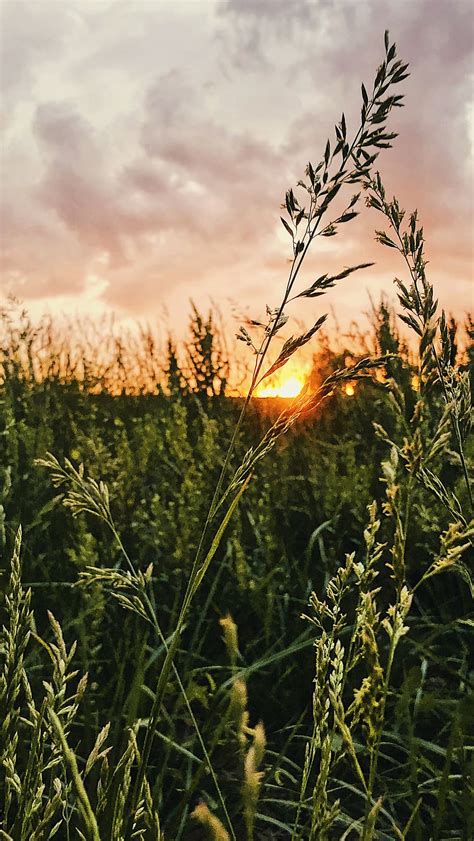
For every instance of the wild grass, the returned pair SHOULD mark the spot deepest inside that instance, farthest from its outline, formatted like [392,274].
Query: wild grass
[197,701]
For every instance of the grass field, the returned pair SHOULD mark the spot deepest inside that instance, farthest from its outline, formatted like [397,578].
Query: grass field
[234,618]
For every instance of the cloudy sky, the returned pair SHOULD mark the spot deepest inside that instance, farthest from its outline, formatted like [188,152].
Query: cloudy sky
[147,146]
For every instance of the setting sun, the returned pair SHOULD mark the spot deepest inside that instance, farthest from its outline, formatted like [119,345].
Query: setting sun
[290,387]
[349,390]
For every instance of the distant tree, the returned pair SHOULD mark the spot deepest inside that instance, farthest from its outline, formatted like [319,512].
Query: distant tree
[208,367]
[453,329]
[469,327]
[174,376]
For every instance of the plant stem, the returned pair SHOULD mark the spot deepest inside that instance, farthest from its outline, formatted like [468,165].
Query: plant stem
[84,802]
[454,420]
[375,752]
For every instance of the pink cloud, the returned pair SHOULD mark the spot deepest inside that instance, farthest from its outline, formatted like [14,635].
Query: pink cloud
[165,176]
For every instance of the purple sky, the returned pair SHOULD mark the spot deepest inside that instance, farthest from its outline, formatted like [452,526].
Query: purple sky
[147,146]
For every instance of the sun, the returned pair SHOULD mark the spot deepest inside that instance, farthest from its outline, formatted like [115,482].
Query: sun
[289,387]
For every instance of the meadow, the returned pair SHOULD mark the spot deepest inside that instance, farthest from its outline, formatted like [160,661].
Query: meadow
[236,618]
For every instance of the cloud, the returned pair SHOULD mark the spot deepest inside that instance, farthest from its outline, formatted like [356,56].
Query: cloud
[32,34]
[150,147]
[206,193]
[76,183]
[430,166]
[172,214]
[251,27]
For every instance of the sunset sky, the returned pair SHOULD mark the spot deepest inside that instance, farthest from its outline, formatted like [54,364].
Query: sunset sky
[147,146]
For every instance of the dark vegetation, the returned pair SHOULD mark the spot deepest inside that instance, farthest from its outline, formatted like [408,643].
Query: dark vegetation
[307,507]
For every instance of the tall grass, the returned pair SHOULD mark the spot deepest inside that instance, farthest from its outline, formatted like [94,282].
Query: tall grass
[176,733]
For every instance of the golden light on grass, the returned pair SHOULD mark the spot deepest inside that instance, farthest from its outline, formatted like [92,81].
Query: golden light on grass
[288,387]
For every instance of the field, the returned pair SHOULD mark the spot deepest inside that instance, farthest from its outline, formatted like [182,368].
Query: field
[234,618]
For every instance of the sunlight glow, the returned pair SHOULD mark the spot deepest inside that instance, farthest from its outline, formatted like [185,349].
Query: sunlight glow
[349,390]
[290,387]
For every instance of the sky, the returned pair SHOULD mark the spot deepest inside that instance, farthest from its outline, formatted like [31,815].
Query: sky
[147,146]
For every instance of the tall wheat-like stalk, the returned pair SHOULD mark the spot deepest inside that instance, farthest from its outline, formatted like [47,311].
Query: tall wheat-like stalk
[333,715]
[348,163]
